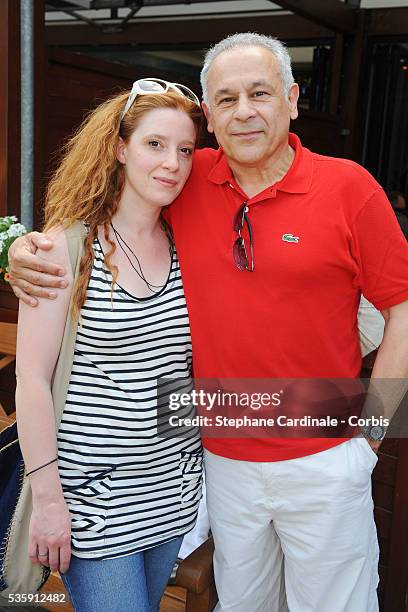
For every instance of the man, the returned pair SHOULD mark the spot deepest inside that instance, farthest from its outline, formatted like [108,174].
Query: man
[275,246]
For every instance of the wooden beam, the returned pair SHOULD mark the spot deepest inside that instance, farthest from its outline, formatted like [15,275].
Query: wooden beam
[200,32]
[332,14]
[336,69]
[352,88]
[89,63]
[389,22]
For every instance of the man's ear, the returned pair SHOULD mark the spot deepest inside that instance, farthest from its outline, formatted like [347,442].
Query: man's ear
[121,151]
[207,114]
[293,100]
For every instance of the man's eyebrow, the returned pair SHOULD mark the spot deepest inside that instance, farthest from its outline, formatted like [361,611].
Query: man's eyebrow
[263,83]
[259,83]
[222,92]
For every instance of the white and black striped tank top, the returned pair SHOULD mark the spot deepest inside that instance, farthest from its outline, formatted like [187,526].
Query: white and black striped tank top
[126,488]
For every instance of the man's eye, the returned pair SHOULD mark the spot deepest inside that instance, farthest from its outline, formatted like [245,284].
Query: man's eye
[258,94]
[226,100]
[155,144]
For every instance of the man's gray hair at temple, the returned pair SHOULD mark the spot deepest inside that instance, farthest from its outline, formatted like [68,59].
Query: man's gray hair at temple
[249,39]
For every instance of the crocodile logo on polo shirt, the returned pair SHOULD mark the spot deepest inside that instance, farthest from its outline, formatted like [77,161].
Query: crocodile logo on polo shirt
[290,238]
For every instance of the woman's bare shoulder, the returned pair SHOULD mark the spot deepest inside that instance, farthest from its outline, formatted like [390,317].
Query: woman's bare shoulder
[59,253]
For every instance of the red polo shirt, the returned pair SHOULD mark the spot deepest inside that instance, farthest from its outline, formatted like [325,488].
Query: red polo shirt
[296,315]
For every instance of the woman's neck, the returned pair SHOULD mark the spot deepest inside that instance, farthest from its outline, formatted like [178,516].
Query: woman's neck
[136,219]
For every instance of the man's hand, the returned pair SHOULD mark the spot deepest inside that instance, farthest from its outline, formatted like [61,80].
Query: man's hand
[30,275]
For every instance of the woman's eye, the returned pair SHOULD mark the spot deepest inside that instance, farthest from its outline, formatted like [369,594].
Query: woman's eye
[155,144]
[187,151]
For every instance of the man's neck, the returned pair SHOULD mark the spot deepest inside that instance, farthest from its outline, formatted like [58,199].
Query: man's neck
[254,180]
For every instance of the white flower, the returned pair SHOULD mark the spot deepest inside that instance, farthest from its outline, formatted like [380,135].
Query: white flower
[16,230]
[9,219]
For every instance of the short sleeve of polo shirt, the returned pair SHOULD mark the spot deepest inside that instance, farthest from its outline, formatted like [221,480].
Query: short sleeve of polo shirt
[381,251]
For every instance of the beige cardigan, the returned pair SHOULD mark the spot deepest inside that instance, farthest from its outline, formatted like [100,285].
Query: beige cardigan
[21,575]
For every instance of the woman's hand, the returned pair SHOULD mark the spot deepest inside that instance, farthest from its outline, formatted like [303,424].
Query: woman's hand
[30,275]
[50,534]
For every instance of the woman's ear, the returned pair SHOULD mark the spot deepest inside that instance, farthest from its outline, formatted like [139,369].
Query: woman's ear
[121,151]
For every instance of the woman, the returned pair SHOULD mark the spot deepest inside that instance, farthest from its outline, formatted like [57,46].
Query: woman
[109,488]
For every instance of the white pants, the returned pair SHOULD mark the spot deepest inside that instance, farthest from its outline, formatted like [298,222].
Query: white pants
[303,527]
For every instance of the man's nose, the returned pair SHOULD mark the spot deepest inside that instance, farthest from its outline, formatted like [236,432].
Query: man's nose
[244,108]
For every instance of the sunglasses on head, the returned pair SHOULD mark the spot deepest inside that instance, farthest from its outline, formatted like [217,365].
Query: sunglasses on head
[150,86]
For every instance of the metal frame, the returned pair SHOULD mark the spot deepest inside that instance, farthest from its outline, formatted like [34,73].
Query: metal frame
[114,23]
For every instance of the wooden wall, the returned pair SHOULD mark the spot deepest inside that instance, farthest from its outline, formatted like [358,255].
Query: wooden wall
[10,131]
[319,132]
[390,512]
[74,84]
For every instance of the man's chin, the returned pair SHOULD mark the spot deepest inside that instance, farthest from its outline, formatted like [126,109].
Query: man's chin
[248,158]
